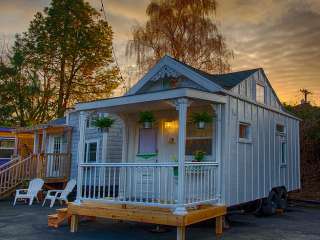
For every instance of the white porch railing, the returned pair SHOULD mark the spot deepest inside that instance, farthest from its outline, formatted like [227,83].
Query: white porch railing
[148,184]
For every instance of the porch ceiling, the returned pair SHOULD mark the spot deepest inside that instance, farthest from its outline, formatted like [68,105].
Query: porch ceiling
[155,101]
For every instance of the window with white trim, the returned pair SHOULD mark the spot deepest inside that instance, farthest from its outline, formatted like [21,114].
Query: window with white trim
[283,153]
[244,131]
[7,146]
[260,93]
[91,151]
[280,129]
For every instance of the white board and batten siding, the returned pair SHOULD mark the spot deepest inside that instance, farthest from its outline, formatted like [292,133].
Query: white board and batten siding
[252,168]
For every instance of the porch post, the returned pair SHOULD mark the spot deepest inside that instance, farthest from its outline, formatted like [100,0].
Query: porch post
[218,143]
[81,147]
[35,142]
[182,107]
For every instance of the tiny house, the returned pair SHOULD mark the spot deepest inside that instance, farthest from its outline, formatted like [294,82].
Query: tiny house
[243,145]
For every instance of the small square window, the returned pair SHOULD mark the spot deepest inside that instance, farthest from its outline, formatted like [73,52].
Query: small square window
[259,93]
[280,129]
[244,131]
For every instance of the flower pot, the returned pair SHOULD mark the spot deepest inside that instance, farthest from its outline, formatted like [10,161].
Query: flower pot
[201,125]
[147,125]
[103,130]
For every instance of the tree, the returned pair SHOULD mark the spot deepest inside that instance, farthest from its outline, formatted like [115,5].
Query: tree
[21,97]
[69,47]
[184,29]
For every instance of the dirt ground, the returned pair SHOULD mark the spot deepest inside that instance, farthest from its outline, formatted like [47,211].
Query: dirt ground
[30,223]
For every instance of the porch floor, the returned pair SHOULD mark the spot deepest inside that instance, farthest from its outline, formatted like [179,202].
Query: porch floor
[146,214]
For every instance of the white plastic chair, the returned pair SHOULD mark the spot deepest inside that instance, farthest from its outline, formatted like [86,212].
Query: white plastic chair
[31,193]
[61,195]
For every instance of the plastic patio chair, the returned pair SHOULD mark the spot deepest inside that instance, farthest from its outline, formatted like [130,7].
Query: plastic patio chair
[61,195]
[31,193]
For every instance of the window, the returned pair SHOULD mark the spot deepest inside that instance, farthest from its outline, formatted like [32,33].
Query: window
[7,146]
[280,129]
[283,153]
[147,141]
[244,131]
[259,93]
[198,139]
[57,142]
[91,151]
[90,121]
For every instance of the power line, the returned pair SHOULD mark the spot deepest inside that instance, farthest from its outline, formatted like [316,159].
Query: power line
[113,51]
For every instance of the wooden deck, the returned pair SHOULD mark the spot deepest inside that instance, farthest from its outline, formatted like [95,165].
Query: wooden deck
[152,215]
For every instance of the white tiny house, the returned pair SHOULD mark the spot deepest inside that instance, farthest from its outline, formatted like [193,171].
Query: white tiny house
[220,139]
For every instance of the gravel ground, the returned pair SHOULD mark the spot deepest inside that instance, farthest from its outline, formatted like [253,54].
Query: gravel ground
[30,223]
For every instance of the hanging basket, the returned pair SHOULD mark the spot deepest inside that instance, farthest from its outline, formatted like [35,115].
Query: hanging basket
[201,125]
[147,125]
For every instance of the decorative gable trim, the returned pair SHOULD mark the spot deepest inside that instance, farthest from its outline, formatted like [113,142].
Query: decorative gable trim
[169,67]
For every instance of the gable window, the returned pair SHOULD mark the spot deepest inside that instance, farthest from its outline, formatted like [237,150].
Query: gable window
[7,146]
[283,153]
[91,151]
[147,141]
[280,129]
[244,131]
[259,93]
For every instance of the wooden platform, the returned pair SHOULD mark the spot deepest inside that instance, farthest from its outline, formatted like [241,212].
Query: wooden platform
[145,214]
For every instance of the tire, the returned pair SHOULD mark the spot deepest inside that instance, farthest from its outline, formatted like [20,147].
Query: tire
[269,204]
[282,198]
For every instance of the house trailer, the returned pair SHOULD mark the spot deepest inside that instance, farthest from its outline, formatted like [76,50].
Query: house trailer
[250,144]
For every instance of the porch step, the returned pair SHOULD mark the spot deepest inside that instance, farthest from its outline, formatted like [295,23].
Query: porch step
[55,220]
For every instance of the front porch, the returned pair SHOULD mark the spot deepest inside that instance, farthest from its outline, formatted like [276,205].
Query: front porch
[167,177]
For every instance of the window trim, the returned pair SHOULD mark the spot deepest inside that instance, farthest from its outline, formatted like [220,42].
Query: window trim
[264,92]
[86,157]
[7,148]
[249,138]
[283,163]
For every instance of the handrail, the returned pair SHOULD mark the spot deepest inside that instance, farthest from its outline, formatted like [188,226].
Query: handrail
[165,164]
[13,160]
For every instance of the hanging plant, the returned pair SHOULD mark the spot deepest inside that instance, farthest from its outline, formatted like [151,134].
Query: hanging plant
[200,119]
[103,123]
[198,156]
[147,119]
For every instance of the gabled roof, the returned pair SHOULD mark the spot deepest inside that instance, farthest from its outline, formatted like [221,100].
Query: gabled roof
[57,121]
[227,80]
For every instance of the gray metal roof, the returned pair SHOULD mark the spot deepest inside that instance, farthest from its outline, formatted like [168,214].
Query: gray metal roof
[57,121]
[227,80]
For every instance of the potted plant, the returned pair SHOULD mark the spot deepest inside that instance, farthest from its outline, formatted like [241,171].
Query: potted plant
[200,119]
[147,119]
[103,123]
[198,156]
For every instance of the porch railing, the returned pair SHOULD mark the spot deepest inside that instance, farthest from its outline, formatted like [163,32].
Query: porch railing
[54,165]
[148,184]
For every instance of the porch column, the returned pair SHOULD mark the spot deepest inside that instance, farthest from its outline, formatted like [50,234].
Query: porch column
[36,142]
[81,147]
[44,141]
[218,142]
[182,107]
[104,154]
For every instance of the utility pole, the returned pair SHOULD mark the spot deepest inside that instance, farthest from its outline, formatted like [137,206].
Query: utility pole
[305,93]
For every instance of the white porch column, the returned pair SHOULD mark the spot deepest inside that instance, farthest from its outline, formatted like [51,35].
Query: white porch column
[218,142]
[44,141]
[182,107]
[81,147]
[104,152]
[36,142]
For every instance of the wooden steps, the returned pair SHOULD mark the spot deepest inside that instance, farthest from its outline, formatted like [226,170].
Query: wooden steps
[55,220]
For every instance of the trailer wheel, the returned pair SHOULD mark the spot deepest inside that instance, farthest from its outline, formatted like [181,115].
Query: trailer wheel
[269,204]
[282,198]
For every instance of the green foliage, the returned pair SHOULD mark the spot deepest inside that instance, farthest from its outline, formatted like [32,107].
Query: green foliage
[103,122]
[146,116]
[199,155]
[64,57]
[183,29]
[201,117]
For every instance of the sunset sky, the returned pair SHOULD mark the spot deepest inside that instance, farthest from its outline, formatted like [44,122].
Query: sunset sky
[281,36]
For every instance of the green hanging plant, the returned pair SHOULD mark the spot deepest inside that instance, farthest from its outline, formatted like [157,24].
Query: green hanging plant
[198,156]
[147,119]
[200,119]
[103,123]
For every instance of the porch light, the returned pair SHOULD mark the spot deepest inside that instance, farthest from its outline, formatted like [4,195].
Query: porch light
[171,124]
